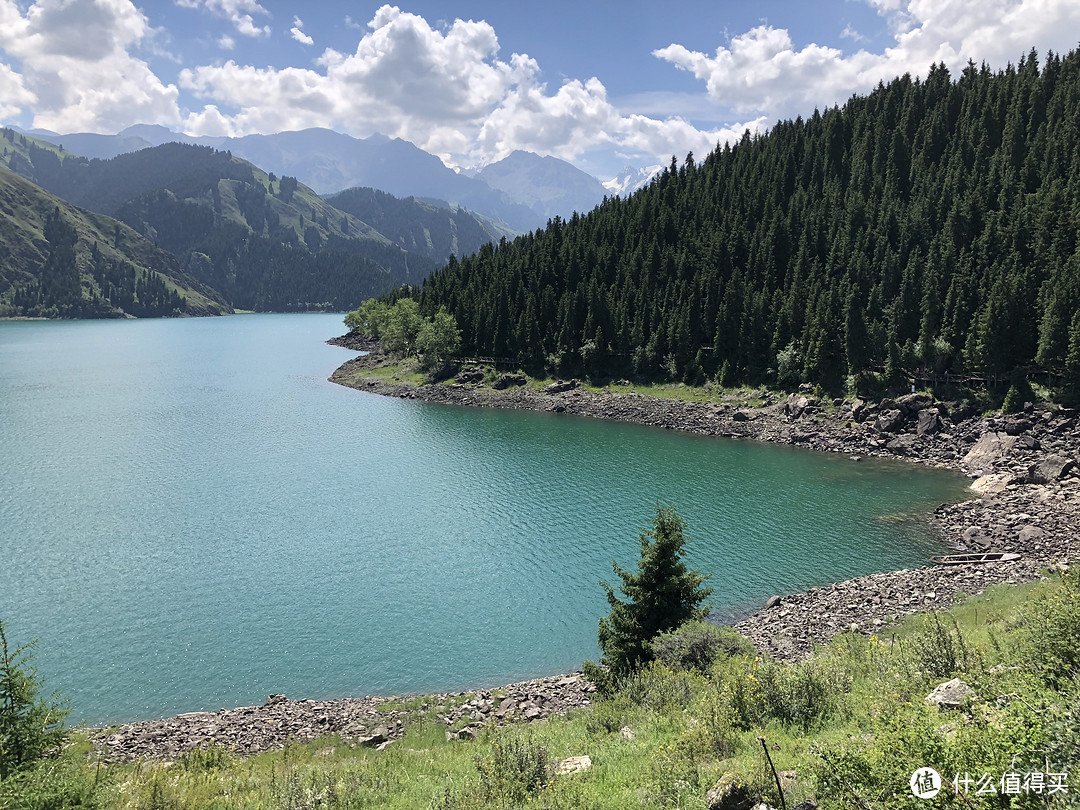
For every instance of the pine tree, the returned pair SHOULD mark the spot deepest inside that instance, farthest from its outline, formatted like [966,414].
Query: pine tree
[30,726]
[662,596]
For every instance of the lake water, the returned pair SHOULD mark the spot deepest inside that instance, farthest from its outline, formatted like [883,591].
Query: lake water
[192,518]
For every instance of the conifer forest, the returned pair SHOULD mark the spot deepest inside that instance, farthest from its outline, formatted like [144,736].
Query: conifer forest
[931,223]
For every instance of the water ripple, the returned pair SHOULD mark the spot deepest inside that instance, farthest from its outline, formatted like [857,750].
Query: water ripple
[191,517]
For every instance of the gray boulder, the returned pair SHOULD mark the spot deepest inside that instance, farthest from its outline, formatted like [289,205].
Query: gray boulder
[902,445]
[380,736]
[929,422]
[1030,533]
[796,406]
[1014,427]
[1050,469]
[991,449]
[571,765]
[911,404]
[559,386]
[508,380]
[891,421]
[470,376]
[950,695]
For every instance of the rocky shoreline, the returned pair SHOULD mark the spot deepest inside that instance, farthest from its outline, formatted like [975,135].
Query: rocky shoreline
[1025,498]
[374,722]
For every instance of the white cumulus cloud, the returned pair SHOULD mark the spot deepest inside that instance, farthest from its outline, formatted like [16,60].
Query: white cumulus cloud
[445,89]
[13,93]
[76,65]
[298,34]
[761,71]
[238,12]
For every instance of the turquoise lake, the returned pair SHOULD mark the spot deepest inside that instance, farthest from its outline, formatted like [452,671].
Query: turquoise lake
[192,517]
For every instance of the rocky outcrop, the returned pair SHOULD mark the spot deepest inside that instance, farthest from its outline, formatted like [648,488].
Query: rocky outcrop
[355,342]
[1051,469]
[989,451]
[791,629]
[560,386]
[731,792]
[508,381]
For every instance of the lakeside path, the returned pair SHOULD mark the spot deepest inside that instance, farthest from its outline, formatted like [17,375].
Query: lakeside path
[1025,491]
[1026,498]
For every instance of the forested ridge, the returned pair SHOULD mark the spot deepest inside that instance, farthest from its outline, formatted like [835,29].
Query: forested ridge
[60,261]
[932,222]
[435,231]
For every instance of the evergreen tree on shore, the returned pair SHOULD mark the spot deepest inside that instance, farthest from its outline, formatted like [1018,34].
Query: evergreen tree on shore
[662,596]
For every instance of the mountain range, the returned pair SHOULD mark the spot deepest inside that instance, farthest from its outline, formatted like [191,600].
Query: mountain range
[297,220]
[518,193]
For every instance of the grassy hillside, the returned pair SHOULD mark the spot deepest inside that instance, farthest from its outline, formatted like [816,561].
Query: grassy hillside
[85,264]
[264,242]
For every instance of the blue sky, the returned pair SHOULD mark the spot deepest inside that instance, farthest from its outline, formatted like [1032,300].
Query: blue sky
[602,84]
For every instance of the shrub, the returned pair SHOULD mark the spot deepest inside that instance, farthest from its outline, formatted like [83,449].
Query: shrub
[673,778]
[516,767]
[30,726]
[788,366]
[607,716]
[1063,730]
[1053,626]
[805,693]
[697,645]
[657,688]
[939,650]
[209,758]
[66,782]
[739,687]
[714,736]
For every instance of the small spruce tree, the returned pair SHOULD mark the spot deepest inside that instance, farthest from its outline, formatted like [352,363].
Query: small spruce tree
[661,596]
[30,725]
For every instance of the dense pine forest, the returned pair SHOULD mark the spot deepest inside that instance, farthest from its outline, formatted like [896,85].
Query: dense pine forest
[932,223]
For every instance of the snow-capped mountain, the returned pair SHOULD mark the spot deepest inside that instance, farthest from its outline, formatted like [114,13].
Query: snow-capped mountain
[630,179]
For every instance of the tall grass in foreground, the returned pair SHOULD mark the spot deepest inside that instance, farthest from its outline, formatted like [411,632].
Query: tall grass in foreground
[848,726]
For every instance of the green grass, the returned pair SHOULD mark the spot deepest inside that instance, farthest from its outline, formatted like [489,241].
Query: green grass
[404,371]
[848,727]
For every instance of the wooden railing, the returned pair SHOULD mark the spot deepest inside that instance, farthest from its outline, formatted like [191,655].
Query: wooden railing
[494,361]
